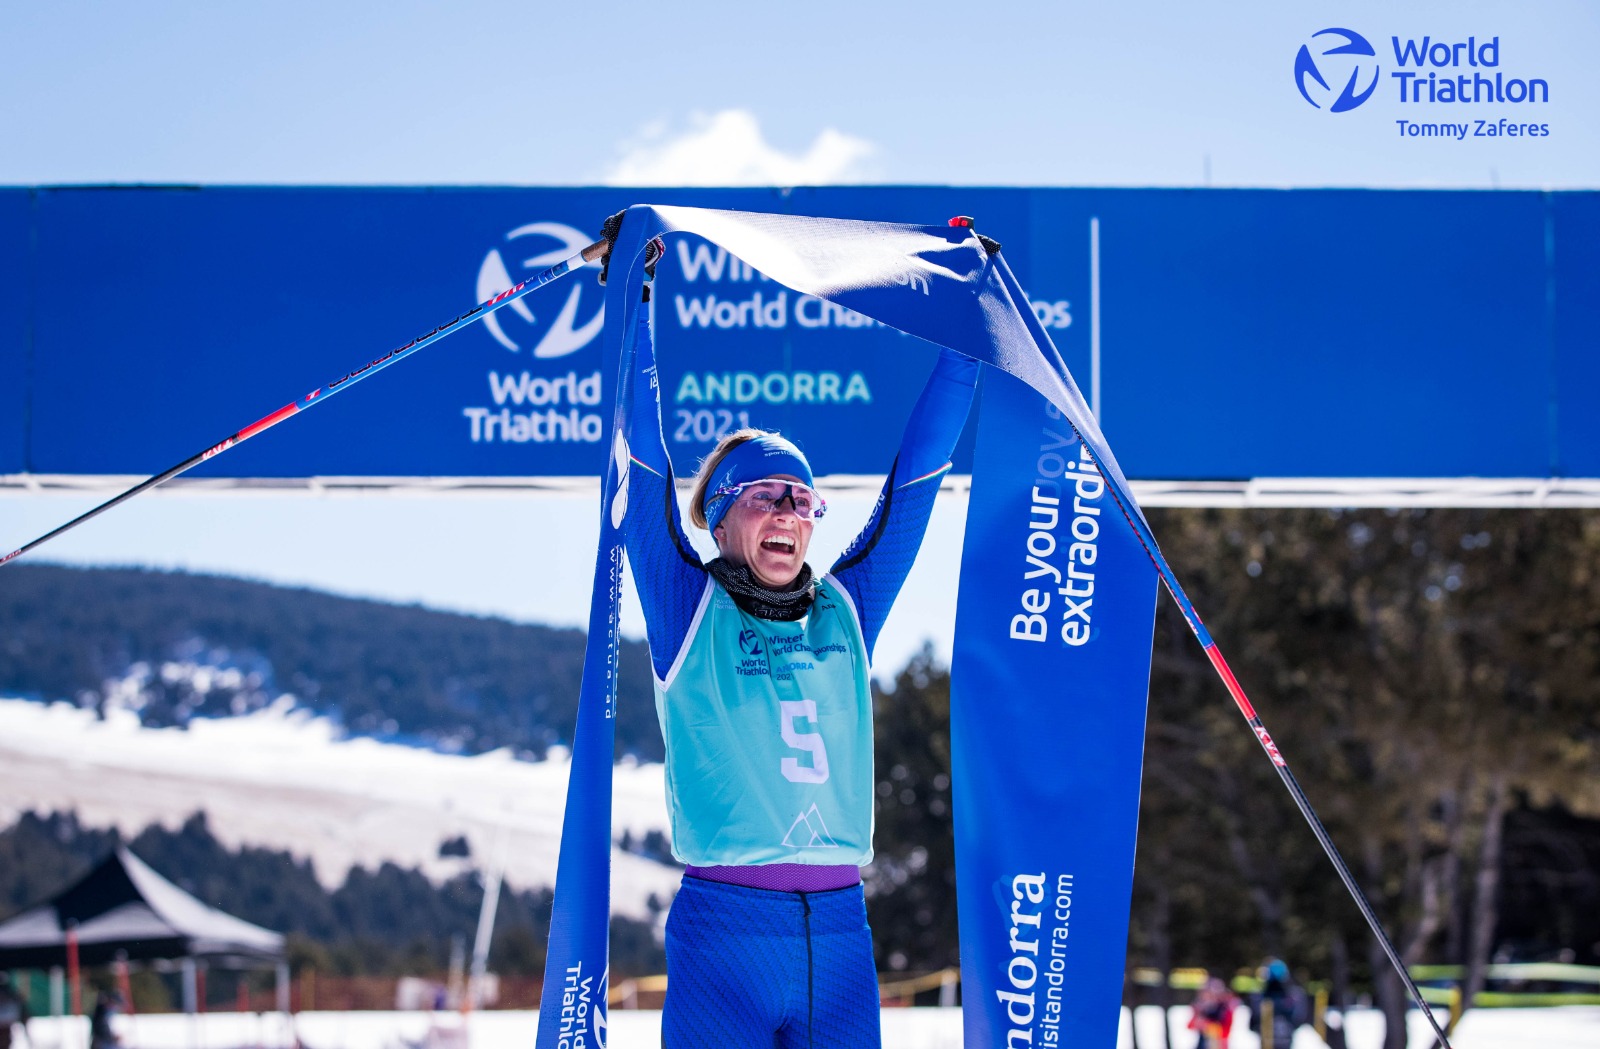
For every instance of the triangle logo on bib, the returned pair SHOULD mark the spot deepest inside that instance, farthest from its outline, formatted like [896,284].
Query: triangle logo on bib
[809,832]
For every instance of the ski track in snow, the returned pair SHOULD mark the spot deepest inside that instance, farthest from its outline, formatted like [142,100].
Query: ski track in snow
[283,779]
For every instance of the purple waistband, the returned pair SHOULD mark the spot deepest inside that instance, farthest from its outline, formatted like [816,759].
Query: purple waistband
[783,877]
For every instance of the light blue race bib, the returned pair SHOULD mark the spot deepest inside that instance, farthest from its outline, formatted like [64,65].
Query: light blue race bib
[768,730]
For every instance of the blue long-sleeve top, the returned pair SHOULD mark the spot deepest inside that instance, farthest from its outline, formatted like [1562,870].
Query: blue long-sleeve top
[669,573]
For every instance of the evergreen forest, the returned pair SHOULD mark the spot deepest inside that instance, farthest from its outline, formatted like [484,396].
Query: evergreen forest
[384,922]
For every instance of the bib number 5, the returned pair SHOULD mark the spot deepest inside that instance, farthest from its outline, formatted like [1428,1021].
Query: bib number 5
[810,742]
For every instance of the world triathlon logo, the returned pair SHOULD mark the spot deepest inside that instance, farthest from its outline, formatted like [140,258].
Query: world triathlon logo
[1336,56]
[545,244]
[749,642]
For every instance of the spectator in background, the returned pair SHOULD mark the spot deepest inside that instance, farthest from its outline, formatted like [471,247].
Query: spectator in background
[1285,1003]
[106,1005]
[1214,1006]
[13,1011]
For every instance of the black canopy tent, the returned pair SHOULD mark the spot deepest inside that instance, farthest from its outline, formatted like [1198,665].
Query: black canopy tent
[124,909]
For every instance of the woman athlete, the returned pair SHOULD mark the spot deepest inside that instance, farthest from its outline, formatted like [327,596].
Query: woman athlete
[761,683]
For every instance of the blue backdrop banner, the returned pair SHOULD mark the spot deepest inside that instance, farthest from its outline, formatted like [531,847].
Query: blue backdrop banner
[1242,333]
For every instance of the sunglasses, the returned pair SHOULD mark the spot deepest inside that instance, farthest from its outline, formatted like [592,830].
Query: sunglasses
[768,494]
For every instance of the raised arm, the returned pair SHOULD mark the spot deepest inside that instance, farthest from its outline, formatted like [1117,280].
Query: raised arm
[665,567]
[876,564]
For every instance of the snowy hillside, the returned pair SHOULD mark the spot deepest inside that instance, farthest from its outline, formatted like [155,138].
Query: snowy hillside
[279,778]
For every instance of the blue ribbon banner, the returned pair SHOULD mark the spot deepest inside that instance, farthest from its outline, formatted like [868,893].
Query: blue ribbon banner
[1050,669]
[572,1005]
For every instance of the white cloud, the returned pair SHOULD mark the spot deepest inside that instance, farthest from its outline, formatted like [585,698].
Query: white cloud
[728,149]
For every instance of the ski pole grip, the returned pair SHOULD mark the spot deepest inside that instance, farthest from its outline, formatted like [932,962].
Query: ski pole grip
[598,250]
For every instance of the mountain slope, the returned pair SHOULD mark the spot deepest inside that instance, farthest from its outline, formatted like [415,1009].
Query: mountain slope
[172,646]
[279,779]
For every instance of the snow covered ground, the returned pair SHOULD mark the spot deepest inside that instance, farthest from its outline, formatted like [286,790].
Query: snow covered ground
[282,779]
[1571,1027]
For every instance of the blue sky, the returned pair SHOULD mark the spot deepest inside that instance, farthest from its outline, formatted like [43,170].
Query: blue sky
[1056,93]
[500,93]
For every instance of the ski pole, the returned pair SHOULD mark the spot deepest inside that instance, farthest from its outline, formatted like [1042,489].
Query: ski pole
[594,251]
[1304,805]
[1253,719]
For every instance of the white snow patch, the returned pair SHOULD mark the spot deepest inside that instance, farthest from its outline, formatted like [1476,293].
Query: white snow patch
[1560,1027]
[1566,1027]
[281,778]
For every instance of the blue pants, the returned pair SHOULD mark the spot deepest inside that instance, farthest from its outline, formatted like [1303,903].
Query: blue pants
[758,969]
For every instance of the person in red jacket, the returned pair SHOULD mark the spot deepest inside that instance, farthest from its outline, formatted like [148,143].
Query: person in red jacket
[1214,1007]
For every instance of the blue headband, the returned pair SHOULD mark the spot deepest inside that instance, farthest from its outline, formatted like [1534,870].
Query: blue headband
[757,458]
